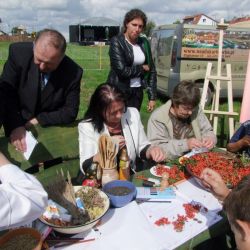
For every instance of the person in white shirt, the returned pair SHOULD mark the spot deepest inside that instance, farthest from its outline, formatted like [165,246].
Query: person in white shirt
[108,114]
[22,196]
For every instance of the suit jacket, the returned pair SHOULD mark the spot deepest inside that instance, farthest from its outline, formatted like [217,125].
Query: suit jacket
[133,131]
[57,104]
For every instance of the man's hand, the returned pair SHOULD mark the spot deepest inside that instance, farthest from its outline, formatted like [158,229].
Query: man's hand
[151,105]
[17,139]
[31,123]
[194,143]
[214,182]
[156,154]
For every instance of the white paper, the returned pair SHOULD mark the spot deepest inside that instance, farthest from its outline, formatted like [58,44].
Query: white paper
[195,151]
[31,143]
[167,236]
[192,189]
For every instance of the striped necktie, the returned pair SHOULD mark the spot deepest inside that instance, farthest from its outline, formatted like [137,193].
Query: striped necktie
[42,81]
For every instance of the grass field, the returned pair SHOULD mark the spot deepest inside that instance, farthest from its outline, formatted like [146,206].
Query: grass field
[95,62]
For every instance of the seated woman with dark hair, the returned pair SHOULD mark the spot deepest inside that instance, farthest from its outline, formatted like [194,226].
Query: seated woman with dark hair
[180,125]
[107,114]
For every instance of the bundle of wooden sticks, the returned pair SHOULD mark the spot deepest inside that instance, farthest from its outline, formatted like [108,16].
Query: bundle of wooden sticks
[108,149]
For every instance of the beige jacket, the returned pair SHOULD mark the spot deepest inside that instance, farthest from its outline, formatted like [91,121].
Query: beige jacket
[160,130]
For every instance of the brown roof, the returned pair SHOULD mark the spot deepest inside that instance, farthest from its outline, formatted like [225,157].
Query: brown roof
[196,18]
[240,19]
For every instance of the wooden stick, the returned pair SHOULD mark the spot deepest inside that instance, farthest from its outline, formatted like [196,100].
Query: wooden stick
[73,240]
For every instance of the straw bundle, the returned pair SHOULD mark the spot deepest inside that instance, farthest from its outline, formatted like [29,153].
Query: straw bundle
[62,192]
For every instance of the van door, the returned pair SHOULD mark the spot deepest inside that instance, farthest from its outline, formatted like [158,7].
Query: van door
[163,58]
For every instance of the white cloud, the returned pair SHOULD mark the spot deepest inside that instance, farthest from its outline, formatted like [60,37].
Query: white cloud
[10,4]
[59,14]
[44,4]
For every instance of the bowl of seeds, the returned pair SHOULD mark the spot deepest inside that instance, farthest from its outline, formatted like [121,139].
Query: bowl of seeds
[120,192]
[21,238]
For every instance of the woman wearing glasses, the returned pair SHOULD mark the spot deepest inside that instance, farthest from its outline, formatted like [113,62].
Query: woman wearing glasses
[180,125]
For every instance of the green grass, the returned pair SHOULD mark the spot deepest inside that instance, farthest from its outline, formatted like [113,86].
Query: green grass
[95,62]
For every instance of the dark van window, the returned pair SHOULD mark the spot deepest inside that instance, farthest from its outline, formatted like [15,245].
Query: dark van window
[165,42]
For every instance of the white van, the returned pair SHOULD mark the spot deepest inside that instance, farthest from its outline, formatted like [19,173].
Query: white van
[182,51]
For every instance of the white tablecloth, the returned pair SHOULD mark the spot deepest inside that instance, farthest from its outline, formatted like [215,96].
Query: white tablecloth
[121,229]
[132,227]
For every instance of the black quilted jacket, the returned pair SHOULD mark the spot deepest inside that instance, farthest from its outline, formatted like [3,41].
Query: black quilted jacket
[122,68]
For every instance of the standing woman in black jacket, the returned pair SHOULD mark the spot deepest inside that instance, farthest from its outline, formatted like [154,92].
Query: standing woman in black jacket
[132,67]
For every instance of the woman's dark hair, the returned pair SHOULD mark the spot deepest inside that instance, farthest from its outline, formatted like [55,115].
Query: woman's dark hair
[102,97]
[186,93]
[131,15]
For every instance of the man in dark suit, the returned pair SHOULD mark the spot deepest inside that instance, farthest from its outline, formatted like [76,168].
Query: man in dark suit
[41,85]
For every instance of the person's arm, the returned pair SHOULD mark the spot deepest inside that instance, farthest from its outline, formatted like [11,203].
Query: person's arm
[88,145]
[156,154]
[138,132]
[239,145]
[118,63]
[9,82]
[152,77]
[209,138]
[212,180]
[22,197]
[158,134]
[145,149]
[67,113]
[240,139]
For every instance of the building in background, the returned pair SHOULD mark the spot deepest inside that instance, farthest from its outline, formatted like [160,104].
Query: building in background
[240,22]
[97,29]
[199,19]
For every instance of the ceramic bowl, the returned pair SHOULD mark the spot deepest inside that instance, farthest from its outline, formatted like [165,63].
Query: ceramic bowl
[120,200]
[84,227]
[6,238]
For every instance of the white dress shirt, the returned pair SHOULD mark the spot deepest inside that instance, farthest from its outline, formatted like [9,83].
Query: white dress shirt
[22,197]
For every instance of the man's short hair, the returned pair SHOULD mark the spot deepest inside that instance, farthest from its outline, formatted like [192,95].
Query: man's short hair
[57,40]
[237,205]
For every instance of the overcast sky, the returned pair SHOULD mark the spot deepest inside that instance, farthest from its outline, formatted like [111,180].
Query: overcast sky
[59,14]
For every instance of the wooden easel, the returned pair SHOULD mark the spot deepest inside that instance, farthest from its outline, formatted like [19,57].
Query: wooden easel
[215,112]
